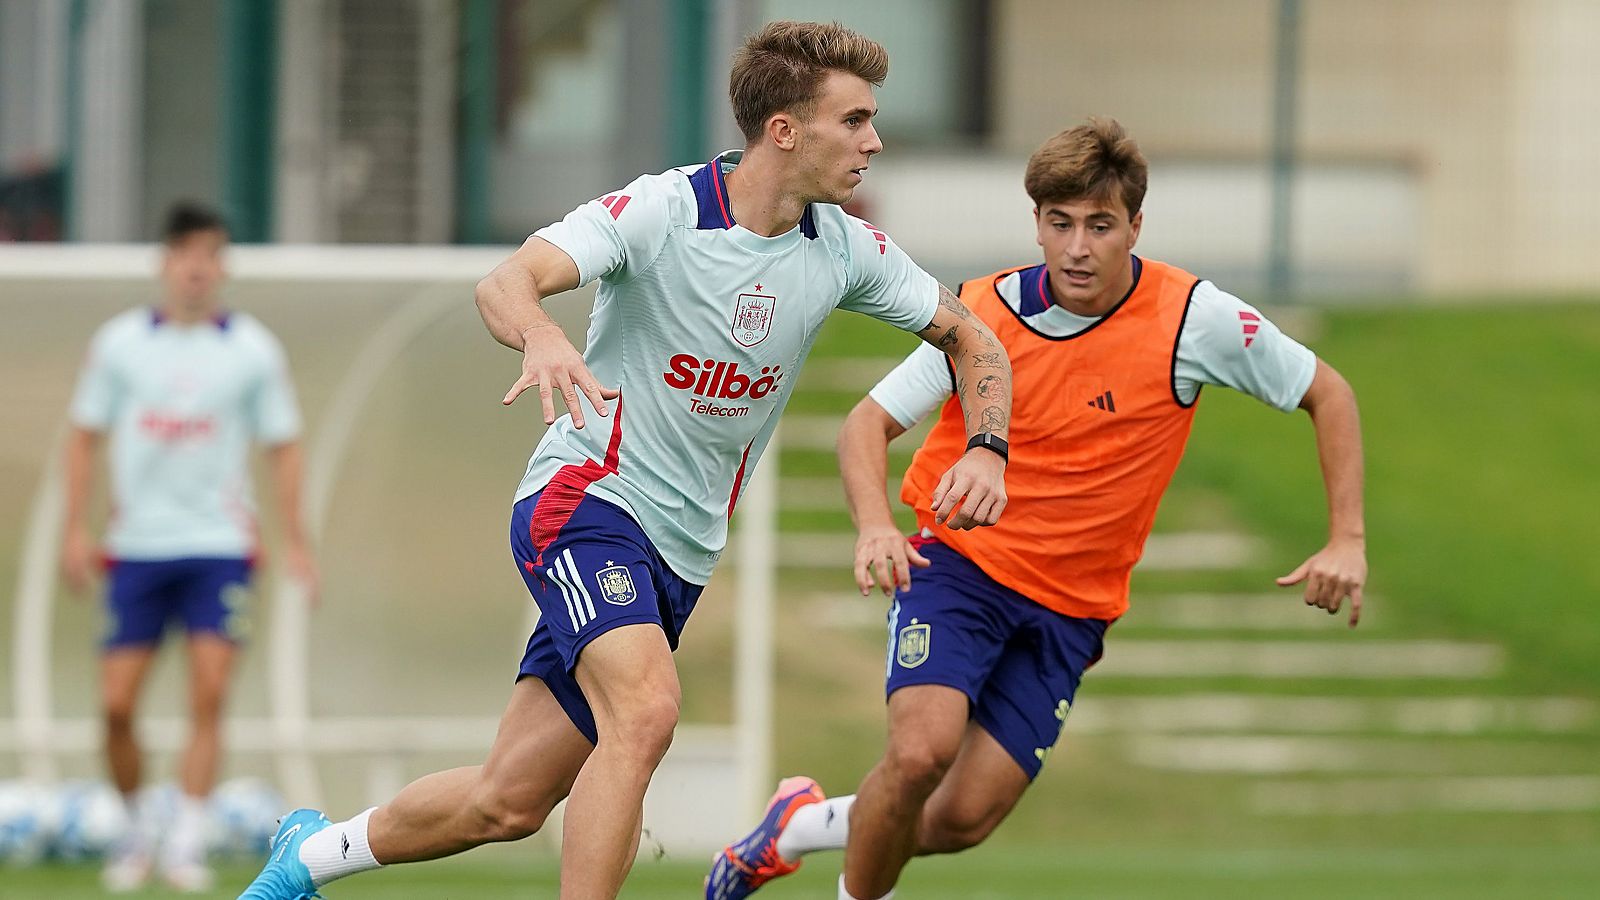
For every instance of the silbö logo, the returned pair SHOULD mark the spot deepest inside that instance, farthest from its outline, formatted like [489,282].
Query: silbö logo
[711,379]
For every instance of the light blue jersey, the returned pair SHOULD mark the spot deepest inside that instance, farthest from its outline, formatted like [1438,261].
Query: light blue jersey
[182,404]
[704,325]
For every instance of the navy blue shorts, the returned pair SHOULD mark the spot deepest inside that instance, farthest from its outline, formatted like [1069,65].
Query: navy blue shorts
[1018,663]
[144,596]
[597,571]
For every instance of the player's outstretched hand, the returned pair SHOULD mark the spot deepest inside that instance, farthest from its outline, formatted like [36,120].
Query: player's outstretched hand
[1333,573]
[972,492]
[550,361]
[78,559]
[884,556]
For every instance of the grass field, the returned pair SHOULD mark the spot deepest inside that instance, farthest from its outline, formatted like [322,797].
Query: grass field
[1113,873]
[1480,432]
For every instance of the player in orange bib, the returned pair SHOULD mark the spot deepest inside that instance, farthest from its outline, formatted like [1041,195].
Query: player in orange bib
[1109,352]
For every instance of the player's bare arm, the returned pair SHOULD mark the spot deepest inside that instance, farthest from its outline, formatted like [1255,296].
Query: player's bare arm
[973,492]
[78,547]
[1339,569]
[287,464]
[883,555]
[510,299]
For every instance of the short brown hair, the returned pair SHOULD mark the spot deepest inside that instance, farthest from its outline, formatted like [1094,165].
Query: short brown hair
[782,67]
[187,217]
[1089,162]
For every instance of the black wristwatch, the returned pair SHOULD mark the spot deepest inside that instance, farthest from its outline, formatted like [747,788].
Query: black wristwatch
[993,442]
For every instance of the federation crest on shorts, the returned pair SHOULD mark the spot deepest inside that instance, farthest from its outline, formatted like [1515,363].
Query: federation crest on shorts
[752,318]
[616,585]
[912,649]
[236,622]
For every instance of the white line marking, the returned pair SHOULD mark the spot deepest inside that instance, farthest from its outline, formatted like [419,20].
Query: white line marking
[1298,659]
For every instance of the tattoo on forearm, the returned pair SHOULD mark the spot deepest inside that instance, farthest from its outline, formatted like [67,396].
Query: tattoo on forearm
[949,338]
[991,387]
[993,419]
[986,360]
[952,303]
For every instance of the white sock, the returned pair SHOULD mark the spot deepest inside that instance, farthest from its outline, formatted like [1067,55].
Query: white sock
[136,836]
[845,895]
[817,826]
[338,850]
[186,843]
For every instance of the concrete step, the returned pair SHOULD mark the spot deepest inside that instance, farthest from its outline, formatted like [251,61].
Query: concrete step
[1388,796]
[820,492]
[852,374]
[809,431]
[1175,552]
[1323,754]
[1224,713]
[1340,659]
[1283,611]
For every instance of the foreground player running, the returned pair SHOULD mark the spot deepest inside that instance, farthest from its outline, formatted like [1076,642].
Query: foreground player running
[714,282]
[987,648]
[183,389]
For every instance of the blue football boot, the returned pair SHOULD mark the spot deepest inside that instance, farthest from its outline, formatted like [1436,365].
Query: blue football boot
[752,861]
[285,877]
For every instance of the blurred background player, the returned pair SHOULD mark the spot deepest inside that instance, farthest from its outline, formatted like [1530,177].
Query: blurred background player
[986,650]
[183,389]
[715,280]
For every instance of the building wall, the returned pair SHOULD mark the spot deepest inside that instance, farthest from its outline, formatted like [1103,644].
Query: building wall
[33,70]
[1554,144]
[181,104]
[1481,101]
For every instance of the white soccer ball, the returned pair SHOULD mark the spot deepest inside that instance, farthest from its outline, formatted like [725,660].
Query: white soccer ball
[244,816]
[26,822]
[89,819]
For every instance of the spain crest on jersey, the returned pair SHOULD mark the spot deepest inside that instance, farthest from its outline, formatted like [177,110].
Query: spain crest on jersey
[616,585]
[752,318]
[912,650]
